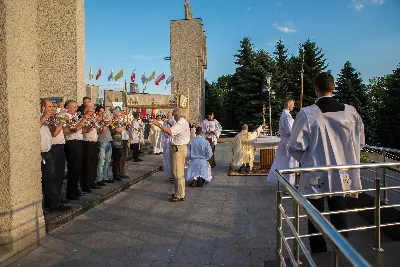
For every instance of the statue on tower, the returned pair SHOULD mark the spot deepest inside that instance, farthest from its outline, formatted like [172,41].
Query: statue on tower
[188,12]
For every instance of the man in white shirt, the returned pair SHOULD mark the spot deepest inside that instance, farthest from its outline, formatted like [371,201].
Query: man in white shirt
[52,198]
[180,134]
[73,150]
[125,141]
[167,139]
[327,133]
[90,150]
[283,160]
[212,130]
[136,136]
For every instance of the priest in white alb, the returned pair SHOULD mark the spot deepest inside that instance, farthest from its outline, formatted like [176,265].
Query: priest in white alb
[168,122]
[243,150]
[198,153]
[283,160]
[211,130]
[156,138]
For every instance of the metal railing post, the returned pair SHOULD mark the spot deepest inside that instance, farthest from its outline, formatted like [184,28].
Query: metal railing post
[335,258]
[278,228]
[377,213]
[296,246]
[385,192]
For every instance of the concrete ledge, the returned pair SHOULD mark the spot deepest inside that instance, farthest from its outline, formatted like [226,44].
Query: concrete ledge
[56,222]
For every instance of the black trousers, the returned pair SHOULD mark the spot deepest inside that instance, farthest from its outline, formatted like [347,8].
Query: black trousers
[335,203]
[58,155]
[90,160]
[73,154]
[135,151]
[124,153]
[116,161]
[51,198]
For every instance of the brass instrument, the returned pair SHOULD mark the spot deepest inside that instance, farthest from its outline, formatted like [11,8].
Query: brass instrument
[72,123]
[93,124]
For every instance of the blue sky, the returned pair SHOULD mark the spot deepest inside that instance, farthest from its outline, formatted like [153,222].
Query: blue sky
[135,34]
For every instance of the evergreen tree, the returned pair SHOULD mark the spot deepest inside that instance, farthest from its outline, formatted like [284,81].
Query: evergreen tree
[389,126]
[314,63]
[214,100]
[351,90]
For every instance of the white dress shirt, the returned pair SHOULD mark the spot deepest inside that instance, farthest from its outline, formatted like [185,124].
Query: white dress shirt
[59,139]
[180,132]
[90,136]
[73,136]
[45,138]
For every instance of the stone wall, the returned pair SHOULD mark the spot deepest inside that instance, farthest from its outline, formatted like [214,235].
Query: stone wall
[188,62]
[41,55]
[61,29]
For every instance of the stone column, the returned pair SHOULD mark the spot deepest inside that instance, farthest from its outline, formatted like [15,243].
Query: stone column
[21,216]
[61,29]
[41,55]
[188,61]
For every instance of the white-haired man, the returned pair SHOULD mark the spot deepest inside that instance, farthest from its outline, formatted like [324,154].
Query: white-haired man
[180,134]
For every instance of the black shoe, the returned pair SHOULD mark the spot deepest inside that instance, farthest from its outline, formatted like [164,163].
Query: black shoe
[123,176]
[95,186]
[193,183]
[136,160]
[117,179]
[242,169]
[171,180]
[247,170]
[108,181]
[140,160]
[72,197]
[199,182]
[61,208]
[86,190]
[64,201]
[101,183]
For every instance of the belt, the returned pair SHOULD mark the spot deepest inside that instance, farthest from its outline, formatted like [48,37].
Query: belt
[90,141]
[58,145]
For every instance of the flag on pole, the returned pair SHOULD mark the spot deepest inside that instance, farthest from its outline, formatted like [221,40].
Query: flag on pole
[98,74]
[110,77]
[119,74]
[90,74]
[143,78]
[151,77]
[170,79]
[160,78]
[133,75]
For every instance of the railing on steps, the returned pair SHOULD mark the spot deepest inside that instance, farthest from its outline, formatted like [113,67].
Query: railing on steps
[340,244]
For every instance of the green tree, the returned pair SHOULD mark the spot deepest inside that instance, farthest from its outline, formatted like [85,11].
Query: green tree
[351,90]
[389,126]
[214,100]
[314,63]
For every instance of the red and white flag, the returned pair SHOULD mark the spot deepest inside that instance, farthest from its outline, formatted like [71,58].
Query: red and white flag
[160,78]
[98,74]
[133,76]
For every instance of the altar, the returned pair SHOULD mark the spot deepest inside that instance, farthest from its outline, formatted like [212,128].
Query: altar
[268,146]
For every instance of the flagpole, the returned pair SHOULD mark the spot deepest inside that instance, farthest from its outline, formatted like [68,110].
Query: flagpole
[188,104]
[302,83]
[91,88]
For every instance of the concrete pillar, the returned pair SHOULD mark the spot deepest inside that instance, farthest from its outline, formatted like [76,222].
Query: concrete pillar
[41,55]
[21,215]
[188,62]
[61,30]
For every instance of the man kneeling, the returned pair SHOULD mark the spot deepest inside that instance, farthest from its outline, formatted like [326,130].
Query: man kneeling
[198,154]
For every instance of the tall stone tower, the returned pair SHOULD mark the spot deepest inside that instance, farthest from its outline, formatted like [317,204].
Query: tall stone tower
[188,62]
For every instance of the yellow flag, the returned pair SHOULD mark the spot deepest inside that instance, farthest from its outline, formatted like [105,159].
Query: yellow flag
[119,74]
[151,77]
[90,74]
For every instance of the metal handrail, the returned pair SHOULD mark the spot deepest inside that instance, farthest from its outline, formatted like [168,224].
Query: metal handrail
[325,227]
[390,150]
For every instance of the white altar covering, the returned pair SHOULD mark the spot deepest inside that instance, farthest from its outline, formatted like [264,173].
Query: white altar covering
[267,142]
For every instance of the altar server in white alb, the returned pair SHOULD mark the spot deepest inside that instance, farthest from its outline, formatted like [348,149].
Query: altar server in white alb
[156,137]
[211,130]
[199,152]
[168,123]
[327,133]
[283,160]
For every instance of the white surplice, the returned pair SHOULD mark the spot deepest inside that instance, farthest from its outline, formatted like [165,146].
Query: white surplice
[198,153]
[283,160]
[331,138]
[166,144]
[214,126]
[156,138]
[243,149]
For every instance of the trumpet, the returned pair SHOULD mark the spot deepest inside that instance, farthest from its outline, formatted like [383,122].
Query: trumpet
[93,124]
[72,123]
[118,123]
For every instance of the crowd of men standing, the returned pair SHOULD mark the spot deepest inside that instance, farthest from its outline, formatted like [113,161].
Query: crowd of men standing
[86,141]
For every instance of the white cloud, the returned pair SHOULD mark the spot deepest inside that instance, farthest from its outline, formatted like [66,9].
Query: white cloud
[284,29]
[360,4]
